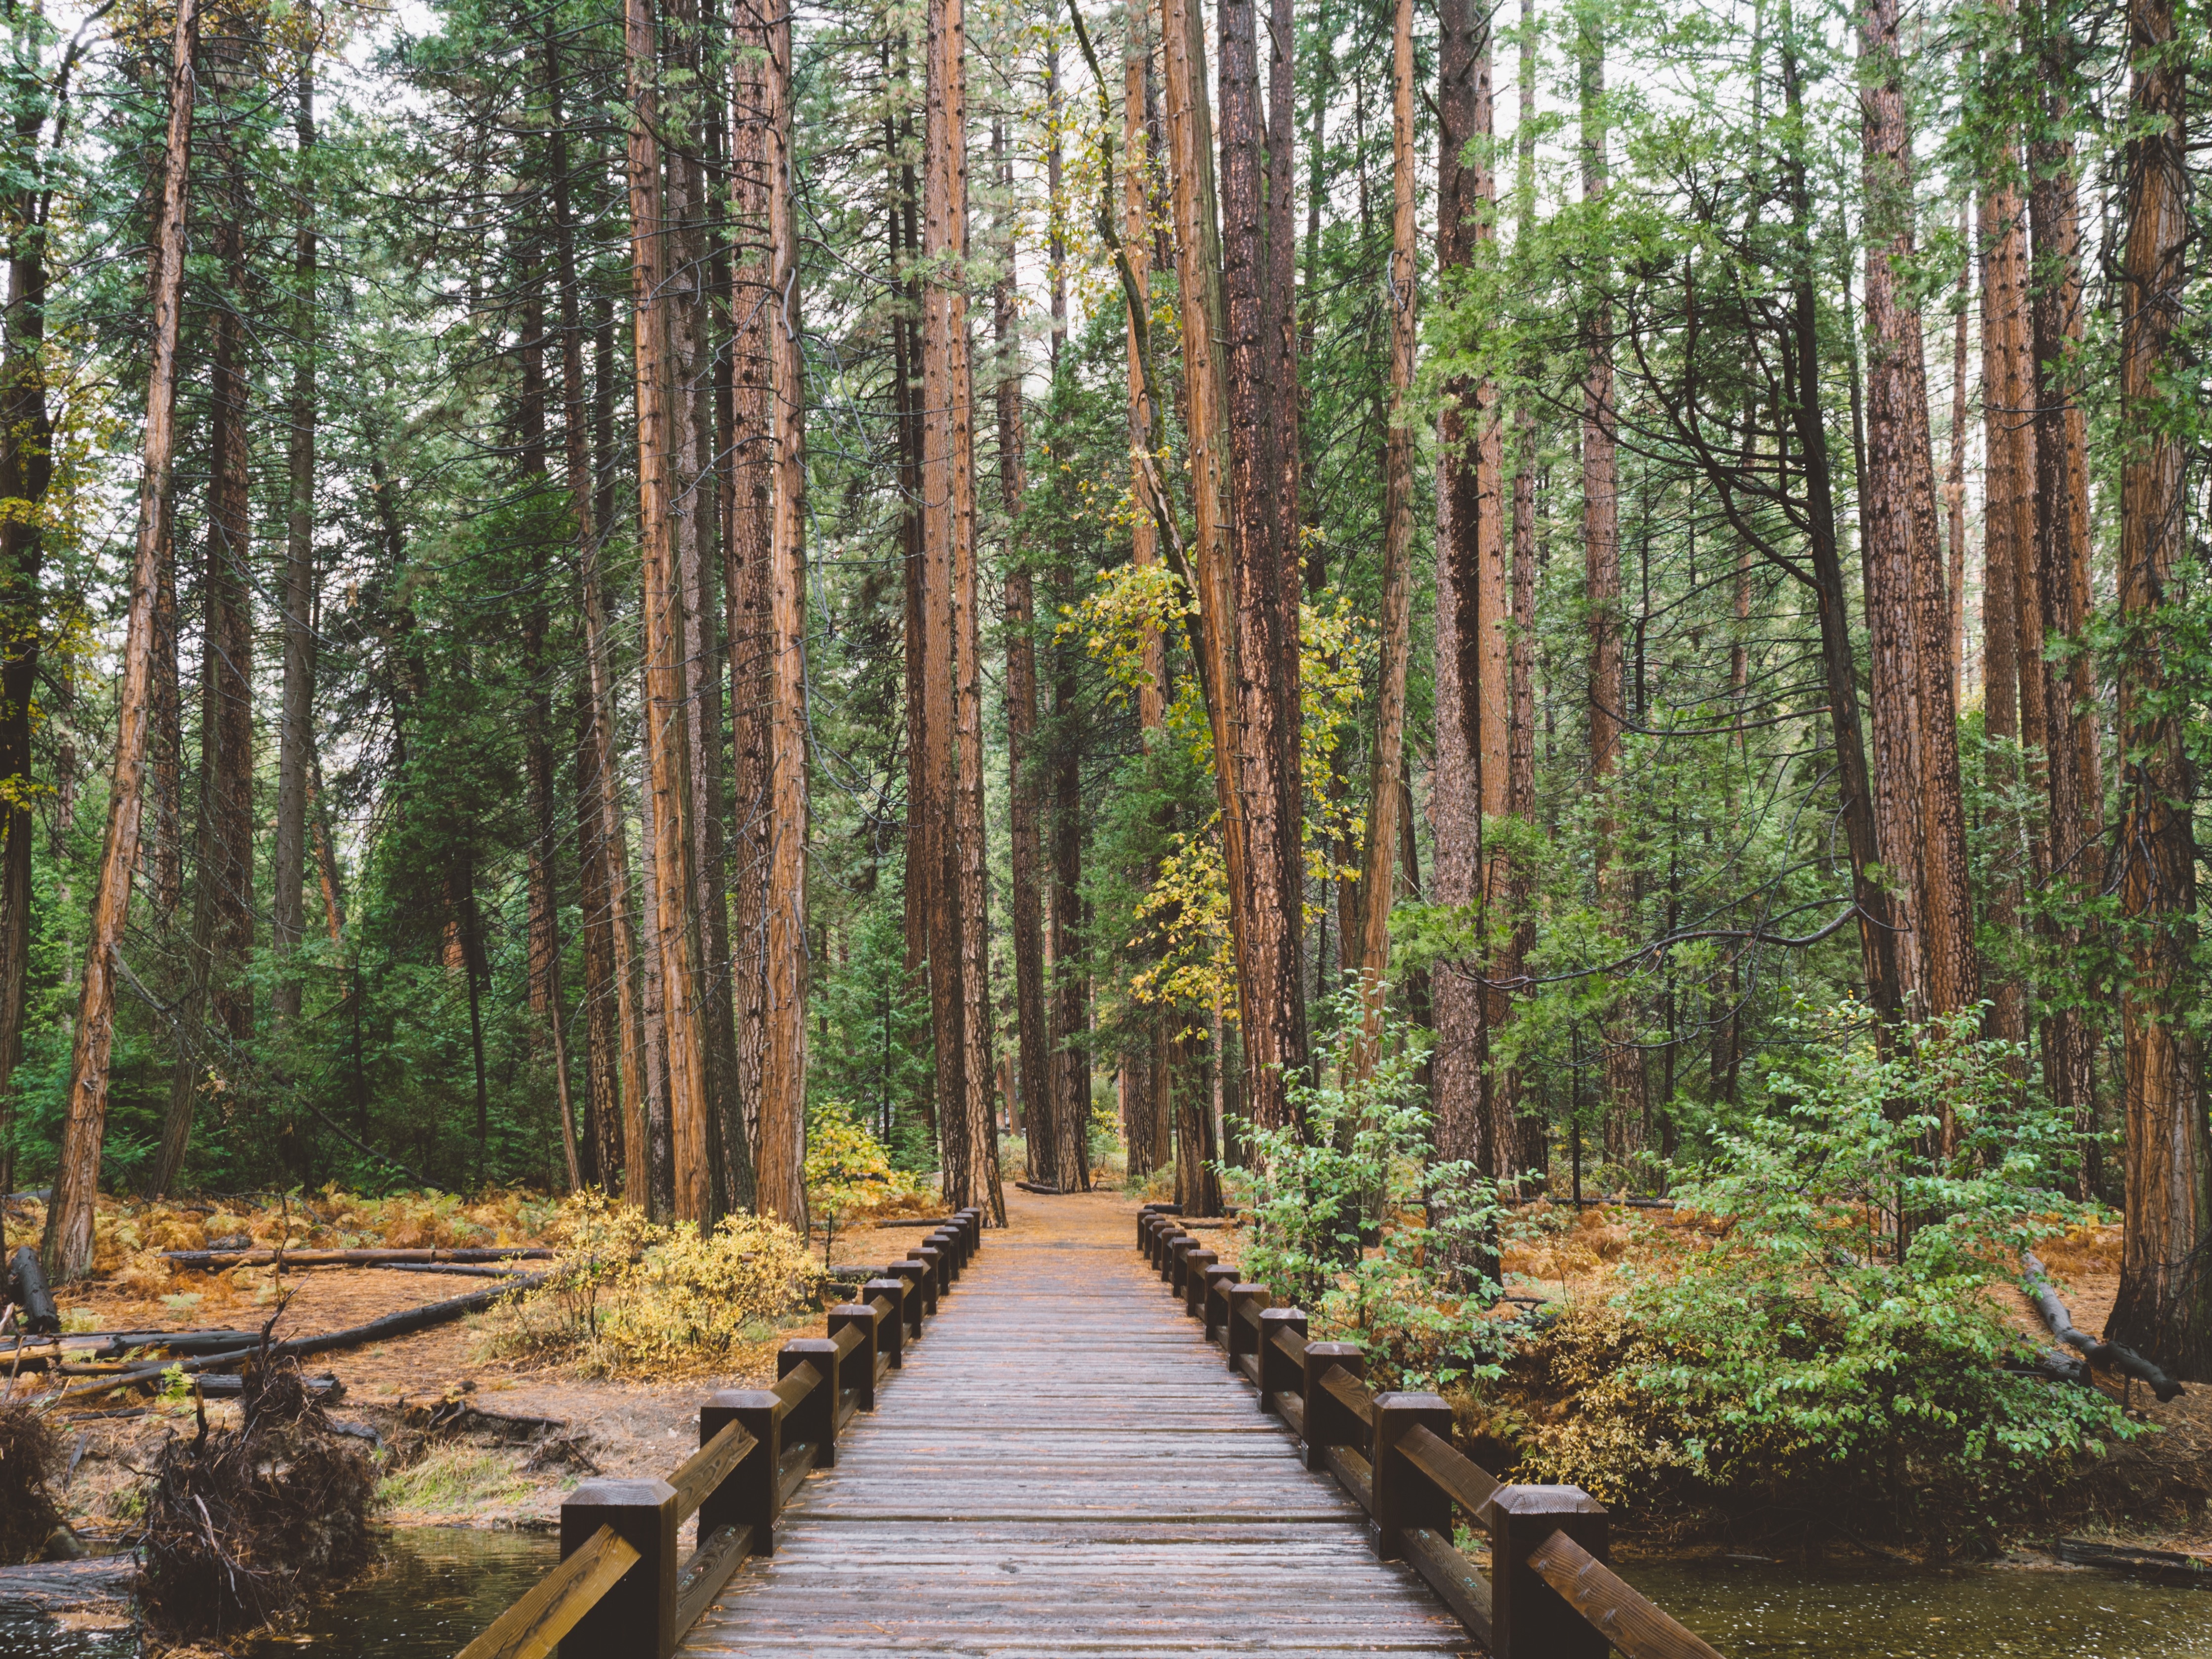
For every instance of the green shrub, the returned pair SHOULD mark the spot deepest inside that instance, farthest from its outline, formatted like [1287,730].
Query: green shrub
[1830,1351]
[1351,1219]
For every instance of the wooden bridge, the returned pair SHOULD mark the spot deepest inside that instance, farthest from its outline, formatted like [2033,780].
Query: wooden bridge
[1070,1442]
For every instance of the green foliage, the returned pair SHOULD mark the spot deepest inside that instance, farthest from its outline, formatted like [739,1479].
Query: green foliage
[1334,1205]
[1833,1346]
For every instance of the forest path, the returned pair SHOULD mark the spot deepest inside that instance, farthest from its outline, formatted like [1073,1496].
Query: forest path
[1066,1466]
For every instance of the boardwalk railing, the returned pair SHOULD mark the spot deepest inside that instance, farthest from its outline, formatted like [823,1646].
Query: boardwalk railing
[1551,1595]
[621,1591]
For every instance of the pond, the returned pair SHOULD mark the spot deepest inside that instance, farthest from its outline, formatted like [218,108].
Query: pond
[436,1587]
[1857,1611]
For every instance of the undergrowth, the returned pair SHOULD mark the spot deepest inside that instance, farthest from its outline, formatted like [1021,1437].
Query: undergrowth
[628,1298]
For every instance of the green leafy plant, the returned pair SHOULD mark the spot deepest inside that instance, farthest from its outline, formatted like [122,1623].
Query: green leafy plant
[1351,1218]
[1831,1348]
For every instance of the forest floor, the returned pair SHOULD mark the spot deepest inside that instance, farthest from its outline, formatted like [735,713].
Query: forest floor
[441,1402]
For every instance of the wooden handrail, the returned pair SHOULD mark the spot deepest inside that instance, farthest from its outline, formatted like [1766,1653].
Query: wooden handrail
[709,1467]
[794,1388]
[735,1483]
[1564,1601]
[1353,1397]
[548,1610]
[1614,1608]
[1455,1474]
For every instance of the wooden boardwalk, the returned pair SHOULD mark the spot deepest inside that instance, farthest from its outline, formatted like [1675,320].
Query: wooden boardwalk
[1066,1466]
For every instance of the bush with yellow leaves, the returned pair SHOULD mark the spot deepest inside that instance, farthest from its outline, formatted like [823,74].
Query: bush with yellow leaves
[628,1298]
[849,1174]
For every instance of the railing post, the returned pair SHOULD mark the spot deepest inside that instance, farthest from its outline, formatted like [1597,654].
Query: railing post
[1180,1252]
[973,1216]
[1194,1281]
[1149,1229]
[1278,1372]
[1164,1246]
[858,1369]
[749,1495]
[638,1615]
[932,1284]
[947,1241]
[1404,1497]
[1213,1306]
[815,1417]
[1244,1338]
[1528,1618]
[890,1336]
[1327,1423]
[911,1275]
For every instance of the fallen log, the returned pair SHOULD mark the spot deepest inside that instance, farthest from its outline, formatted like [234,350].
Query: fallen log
[26,1289]
[2126,1361]
[406,1322]
[206,1261]
[462,1270]
[2164,1566]
[1038,1187]
[916,1221]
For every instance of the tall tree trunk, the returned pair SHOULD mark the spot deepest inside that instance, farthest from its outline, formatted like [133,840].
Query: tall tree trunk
[1068,943]
[287,907]
[751,540]
[2062,530]
[667,739]
[958,976]
[613,1064]
[1239,656]
[66,1250]
[1383,801]
[1904,559]
[783,1058]
[1955,476]
[1032,1024]
[2007,530]
[1625,1106]
[1282,306]
[26,472]
[694,504]
[1471,775]
[2164,1306]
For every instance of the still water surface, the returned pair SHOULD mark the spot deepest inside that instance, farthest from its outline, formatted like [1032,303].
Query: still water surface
[1858,1613]
[437,1587]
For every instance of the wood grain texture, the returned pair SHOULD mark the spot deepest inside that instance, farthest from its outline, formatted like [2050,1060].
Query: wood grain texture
[1066,1466]
[531,1628]
[1615,1609]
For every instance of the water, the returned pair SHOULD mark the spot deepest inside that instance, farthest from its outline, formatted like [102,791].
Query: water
[435,1588]
[1857,1611]
[432,1590]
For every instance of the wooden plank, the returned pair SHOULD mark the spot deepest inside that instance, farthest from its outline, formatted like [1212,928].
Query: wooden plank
[531,1628]
[1452,1577]
[1356,1397]
[700,1578]
[1614,1608]
[1458,1476]
[791,1472]
[707,1468]
[1353,1472]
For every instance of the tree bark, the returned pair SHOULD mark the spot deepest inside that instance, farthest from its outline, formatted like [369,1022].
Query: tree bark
[2164,1306]
[1384,800]
[66,1250]
[1626,1105]
[751,540]
[667,740]
[958,977]
[1903,560]
[614,1088]
[783,1060]
[1239,658]
[26,472]
[287,908]
[2062,560]
[1471,695]
[1032,1024]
